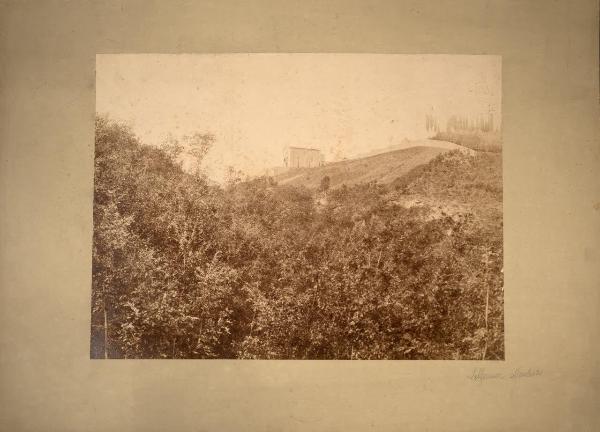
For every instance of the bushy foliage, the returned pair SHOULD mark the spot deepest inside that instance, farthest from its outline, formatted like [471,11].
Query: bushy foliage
[186,269]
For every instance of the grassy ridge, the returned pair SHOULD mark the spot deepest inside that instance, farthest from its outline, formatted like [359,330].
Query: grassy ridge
[383,168]
[459,183]
[476,140]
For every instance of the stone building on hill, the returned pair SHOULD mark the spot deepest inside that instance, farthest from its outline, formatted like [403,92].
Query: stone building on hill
[300,157]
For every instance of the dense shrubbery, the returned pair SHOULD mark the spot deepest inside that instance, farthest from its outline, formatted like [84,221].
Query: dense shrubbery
[186,269]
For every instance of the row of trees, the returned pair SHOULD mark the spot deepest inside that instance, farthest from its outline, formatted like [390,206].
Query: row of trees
[457,123]
[186,269]
[464,123]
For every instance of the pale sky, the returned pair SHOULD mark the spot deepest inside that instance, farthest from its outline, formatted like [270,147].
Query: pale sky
[256,104]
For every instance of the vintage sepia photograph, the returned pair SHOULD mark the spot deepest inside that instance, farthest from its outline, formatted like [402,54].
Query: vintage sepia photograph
[298,206]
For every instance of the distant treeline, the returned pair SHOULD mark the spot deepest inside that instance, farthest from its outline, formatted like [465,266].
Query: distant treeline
[475,133]
[456,123]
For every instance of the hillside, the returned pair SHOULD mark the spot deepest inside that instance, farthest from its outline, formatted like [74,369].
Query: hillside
[383,168]
[476,140]
[259,270]
[455,184]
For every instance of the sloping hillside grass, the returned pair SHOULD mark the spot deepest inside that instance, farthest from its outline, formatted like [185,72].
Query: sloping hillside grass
[383,168]
[476,140]
[458,183]
[456,175]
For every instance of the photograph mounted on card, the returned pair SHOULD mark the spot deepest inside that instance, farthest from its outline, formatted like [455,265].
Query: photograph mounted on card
[298,206]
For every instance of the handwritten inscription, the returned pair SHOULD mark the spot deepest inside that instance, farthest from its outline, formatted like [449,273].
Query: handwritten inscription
[483,375]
